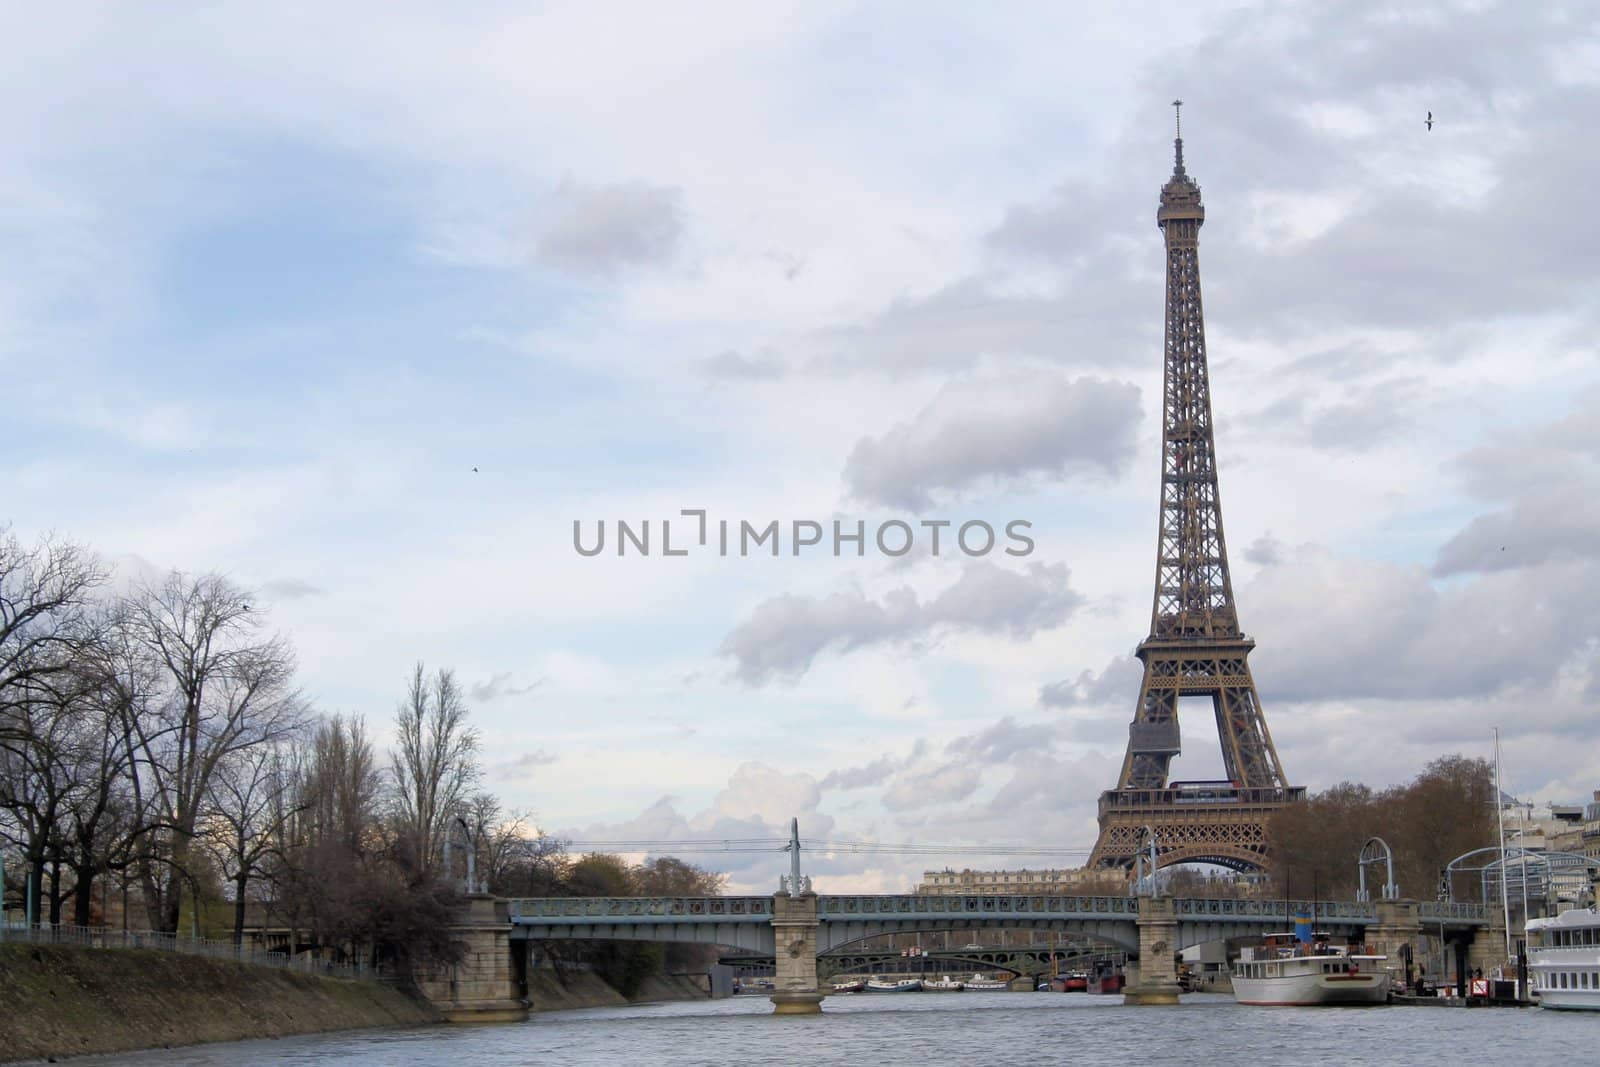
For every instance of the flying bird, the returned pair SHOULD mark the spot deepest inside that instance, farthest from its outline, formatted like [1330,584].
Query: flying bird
[1428,122]
[474,470]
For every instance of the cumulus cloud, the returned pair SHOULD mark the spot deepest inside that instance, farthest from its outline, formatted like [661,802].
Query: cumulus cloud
[947,783]
[1265,550]
[1340,628]
[1536,528]
[600,229]
[875,773]
[784,634]
[1059,795]
[1547,479]
[1118,681]
[756,804]
[1002,741]
[976,431]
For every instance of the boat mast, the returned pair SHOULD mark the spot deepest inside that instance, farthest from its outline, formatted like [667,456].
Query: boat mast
[1500,817]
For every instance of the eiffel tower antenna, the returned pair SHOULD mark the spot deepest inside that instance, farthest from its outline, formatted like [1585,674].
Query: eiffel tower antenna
[1177,141]
[1195,647]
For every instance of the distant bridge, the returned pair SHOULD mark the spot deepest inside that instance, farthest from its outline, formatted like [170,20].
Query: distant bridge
[745,923]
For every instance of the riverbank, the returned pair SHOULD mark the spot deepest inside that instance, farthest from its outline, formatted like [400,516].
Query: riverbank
[58,1000]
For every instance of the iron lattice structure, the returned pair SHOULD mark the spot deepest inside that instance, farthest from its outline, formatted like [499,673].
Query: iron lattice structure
[1195,647]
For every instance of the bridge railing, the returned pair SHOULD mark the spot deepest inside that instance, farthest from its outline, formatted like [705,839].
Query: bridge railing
[1449,910]
[1228,908]
[109,937]
[974,906]
[641,909]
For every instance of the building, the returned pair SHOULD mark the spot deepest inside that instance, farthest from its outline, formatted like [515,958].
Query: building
[1589,833]
[1025,882]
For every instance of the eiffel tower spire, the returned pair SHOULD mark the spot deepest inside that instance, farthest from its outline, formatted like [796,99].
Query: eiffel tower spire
[1195,647]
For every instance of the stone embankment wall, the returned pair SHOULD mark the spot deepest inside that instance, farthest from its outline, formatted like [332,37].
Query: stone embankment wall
[584,989]
[60,1001]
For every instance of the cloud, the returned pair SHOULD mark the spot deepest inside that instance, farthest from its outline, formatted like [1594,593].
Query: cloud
[1265,550]
[525,763]
[1002,741]
[1097,317]
[601,229]
[733,366]
[1384,630]
[500,685]
[1548,479]
[756,804]
[1535,529]
[977,431]
[784,634]
[292,589]
[947,783]
[1119,681]
[875,773]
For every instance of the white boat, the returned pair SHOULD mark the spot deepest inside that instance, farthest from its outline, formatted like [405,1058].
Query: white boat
[1564,960]
[942,984]
[849,985]
[979,983]
[892,985]
[1284,972]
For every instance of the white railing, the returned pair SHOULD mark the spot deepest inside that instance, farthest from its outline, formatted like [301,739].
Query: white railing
[109,937]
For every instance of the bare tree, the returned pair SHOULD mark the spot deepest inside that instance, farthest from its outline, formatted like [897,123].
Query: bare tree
[250,795]
[108,815]
[38,777]
[43,593]
[433,767]
[229,689]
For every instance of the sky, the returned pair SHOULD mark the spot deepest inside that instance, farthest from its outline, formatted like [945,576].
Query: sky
[367,305]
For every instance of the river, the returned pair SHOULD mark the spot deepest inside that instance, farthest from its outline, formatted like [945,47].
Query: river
[926,1029]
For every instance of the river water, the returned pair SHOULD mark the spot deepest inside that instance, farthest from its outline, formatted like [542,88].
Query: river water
[927,1029]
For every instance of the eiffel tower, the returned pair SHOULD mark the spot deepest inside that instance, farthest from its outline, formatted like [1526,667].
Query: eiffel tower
[1195,647]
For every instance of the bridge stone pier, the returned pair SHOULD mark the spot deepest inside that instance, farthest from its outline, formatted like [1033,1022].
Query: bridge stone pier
[1396,934]
[481,987]
[794,929]
[1158,948]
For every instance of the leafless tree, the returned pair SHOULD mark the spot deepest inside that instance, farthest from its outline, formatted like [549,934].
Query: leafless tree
[44,591]
[327,832]
[434,766]
[228,689]
[249,796]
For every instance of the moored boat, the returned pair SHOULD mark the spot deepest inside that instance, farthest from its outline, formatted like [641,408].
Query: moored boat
[893,985]
[943,984]
[854,985]
[1286,972]
[1564,960]
[1106,980]
[980,983]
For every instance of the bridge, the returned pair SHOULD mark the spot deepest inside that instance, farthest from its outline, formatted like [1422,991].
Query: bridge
[799,930]
[748,922]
